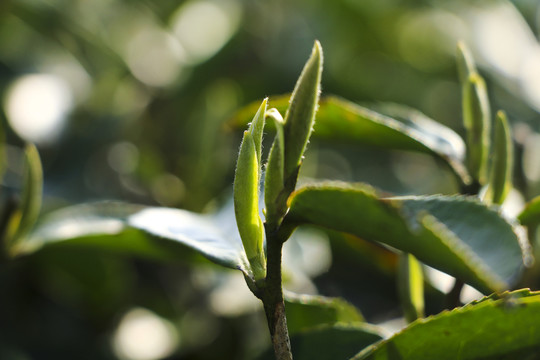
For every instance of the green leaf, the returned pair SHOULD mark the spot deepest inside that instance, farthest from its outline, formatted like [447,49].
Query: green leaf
[465,62]
[27,213]
[246,197]
[500,179]
[300,115]
[308,311]
[257,127]
[275,195]
[508,328]
[477,122]
[455,234]
[159,233]
[341,121]
[411,287]
[530,216]
[330,342]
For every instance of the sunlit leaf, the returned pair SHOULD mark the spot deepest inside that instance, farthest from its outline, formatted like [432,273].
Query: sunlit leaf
[300,115]
[503,327]
[411,287]
[275,195]
[450,233]
[159,233]
[530,216]
[246,194]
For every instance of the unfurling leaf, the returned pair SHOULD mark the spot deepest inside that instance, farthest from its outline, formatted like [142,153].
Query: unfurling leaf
[246,194]
[477,122]
[274,181]
[465,62]
[500,177]
[300,115]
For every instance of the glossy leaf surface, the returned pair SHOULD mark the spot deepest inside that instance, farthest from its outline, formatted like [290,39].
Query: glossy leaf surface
[160,233]
[447,233]
[506,327]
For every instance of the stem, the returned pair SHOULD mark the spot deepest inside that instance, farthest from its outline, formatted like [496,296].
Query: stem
[272,297]
[9,208]
[452,298]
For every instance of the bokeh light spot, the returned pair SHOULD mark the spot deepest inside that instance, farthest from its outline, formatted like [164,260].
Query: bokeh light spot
[142,335]
[37,106]
[155,57]
[204,27]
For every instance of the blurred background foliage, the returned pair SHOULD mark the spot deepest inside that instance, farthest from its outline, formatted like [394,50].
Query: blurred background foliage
[132,100]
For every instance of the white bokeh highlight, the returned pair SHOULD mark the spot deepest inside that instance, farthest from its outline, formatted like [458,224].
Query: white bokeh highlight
[37,106]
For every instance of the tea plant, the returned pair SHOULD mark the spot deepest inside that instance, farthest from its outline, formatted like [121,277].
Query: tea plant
[464,235]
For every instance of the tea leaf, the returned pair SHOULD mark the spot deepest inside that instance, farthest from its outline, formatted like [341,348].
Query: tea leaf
[308,311]
[274,180]
[411,287]
[477,122]
[246,204]
[159,233]
[446,232]
[465,62]
[300,115]
[507,328]
[500,179]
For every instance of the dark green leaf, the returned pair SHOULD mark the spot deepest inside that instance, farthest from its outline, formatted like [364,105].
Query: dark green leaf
[456,234]
[508,327]
[308,311]
[530,216]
